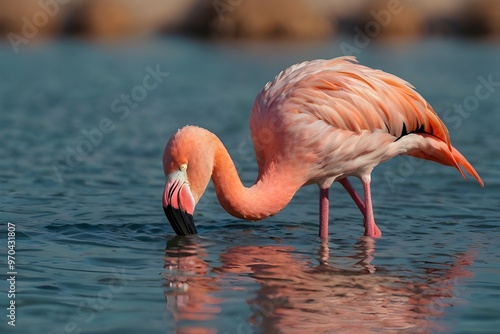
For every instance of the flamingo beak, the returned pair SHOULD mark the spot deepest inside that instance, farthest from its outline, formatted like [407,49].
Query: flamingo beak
[178,205]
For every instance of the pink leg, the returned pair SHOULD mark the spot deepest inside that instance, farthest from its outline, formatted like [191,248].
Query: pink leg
[371,229]
[324,205]
[354,195]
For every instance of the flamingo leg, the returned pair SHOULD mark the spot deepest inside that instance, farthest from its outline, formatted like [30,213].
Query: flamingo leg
[354,195]
[324,206]
[371,229]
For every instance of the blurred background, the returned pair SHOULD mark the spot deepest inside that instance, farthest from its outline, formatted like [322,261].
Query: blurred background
[248,19]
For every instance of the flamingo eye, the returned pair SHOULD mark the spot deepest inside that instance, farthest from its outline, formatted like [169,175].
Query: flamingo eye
[183,167]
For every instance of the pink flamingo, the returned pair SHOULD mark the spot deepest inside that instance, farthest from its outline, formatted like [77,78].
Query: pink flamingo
[317,122]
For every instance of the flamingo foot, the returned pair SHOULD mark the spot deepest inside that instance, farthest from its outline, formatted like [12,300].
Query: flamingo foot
[371,229]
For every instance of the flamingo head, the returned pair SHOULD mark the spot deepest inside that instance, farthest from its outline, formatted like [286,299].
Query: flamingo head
[188,164]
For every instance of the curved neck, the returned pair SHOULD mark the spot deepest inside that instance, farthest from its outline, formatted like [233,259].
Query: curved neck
[272,191]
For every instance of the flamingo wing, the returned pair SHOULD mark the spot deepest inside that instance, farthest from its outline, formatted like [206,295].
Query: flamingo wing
[353,100]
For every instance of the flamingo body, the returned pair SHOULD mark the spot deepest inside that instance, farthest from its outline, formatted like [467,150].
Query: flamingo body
[317,122]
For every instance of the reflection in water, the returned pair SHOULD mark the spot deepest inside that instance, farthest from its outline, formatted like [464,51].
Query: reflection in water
[294,296]
[189,286]
[365,247]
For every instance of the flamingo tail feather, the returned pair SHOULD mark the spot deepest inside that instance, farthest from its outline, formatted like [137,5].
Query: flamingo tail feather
[460,159]
[439,151]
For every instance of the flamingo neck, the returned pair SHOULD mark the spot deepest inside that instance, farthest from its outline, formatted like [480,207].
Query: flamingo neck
[272,191]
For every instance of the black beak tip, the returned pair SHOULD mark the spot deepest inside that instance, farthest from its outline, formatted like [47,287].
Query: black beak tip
[181,221]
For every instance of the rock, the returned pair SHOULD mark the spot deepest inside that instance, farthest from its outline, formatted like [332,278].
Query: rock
[386,19]
[256,19]
[102,19]
[30,18]
[480,18]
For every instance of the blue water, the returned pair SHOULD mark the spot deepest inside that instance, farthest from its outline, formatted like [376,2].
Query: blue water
[95,254]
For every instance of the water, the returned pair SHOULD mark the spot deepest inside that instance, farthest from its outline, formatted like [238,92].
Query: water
[95,254]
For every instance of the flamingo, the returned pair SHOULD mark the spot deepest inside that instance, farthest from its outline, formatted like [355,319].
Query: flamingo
[318,122]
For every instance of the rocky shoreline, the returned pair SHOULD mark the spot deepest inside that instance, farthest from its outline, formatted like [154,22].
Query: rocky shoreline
[247,19]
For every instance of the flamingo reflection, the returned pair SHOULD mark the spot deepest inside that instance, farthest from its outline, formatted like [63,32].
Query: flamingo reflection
[295,295]
[189,286]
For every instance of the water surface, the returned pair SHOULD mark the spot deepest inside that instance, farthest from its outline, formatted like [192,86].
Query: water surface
[95,253]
